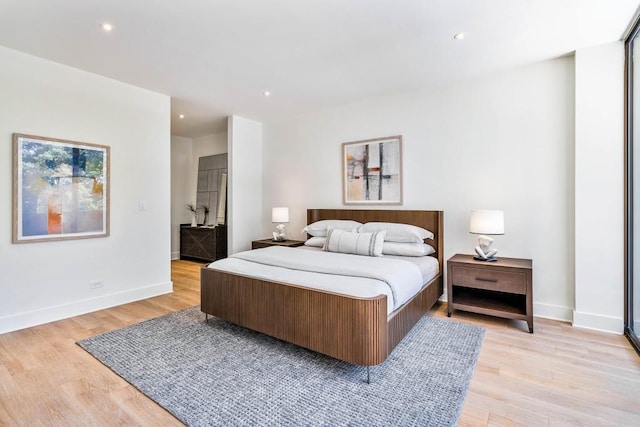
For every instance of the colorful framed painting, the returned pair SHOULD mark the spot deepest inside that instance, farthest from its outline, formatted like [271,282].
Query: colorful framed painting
[372,171]
[60,189]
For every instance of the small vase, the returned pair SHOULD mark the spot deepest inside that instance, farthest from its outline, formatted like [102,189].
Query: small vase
[194,221]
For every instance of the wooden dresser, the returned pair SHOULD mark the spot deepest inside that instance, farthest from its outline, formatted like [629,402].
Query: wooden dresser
[202,243]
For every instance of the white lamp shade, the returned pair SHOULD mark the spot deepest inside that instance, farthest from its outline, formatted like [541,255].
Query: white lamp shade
[280,215]
[486,222]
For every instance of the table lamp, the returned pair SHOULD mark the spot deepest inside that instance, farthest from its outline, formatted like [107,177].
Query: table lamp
[279,216]
[485,223]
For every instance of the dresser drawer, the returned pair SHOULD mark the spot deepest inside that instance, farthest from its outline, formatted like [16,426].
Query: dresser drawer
[490,279]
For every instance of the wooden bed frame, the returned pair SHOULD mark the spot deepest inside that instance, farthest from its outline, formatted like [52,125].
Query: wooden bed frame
[352,329]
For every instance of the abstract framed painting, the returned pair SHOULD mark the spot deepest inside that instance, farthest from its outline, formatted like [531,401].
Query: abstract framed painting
[60,189]
[372,171]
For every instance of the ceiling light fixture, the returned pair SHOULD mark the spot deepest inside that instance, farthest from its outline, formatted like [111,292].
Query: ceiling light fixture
[459,36]
[267,93]
[181,116]
[107,27]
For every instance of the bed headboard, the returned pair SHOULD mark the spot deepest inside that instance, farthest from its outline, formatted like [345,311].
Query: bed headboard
[431,220]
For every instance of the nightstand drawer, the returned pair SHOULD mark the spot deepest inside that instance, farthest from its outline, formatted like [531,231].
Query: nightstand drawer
[487,278]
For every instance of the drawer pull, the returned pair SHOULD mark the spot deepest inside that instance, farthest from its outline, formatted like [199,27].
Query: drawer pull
[481,279]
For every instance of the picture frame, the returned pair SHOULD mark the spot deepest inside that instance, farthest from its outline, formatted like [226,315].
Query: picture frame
[372,171]
[60,189]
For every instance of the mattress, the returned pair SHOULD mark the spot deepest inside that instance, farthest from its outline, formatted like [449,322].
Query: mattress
[399,278]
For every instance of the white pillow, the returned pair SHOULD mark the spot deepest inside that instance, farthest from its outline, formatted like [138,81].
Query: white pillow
[316,242]
[407,249]
[347,242]
[401,233]
[319,228]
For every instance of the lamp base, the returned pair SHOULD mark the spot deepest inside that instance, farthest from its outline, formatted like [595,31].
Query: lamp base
[493,259]
[278,240]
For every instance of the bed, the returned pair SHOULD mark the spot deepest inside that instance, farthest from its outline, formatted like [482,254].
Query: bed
[357,330]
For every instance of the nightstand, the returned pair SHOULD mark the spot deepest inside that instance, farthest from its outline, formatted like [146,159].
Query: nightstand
[257,244]
[503,288]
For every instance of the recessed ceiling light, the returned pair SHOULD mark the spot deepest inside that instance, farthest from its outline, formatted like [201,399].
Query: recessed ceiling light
[459,36]
[181,116]
[107,27]
[267,93]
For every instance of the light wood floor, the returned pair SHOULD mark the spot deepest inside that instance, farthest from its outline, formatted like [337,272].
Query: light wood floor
[558,376]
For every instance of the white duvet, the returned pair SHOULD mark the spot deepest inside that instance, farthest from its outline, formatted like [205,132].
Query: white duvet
[353,275]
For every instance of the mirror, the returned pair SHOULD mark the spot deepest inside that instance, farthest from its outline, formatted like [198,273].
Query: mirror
[212,185]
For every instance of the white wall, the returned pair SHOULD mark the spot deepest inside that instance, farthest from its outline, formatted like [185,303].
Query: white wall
[181,182]
[499,142]
[244,200]
[599,164]
[45,281]
[185,154]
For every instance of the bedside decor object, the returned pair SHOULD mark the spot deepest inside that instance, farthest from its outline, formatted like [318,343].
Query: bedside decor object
[205,209]
[484,223]
[372,171]
[280,216]
[194,211]
[60,189]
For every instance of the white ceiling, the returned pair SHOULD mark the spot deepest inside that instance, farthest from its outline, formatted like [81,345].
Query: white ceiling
[217,57]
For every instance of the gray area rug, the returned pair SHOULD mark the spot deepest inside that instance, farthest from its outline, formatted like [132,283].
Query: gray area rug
[219,374]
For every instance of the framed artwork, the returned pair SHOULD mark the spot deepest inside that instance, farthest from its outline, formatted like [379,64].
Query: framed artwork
[372,171]
[60,189]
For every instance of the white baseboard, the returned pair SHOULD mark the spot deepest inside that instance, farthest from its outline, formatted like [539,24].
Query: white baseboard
[595,322]
[554,312]
[76,308]
[175,255]
[598,322]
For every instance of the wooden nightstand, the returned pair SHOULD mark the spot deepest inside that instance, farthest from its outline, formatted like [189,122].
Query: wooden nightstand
[503,288]
[257,244]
